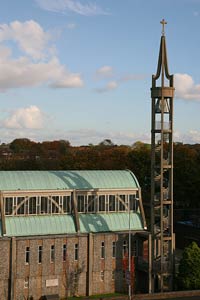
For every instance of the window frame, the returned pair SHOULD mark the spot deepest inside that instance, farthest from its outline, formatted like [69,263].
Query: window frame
[114,250]
[112,207]
[102,199]
[64,252]
[102,275]
[26,283]
[27,255]
[125,248]
[52,254]
[76,251]
[40,250]
[103,250]
[81,203]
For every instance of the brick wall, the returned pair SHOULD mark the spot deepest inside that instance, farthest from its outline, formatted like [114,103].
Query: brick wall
[64,272]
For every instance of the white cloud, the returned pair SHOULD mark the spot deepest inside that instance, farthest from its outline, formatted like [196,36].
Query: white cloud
[85,8]
[185,88]
[105,72]
[28,118]
[30,37]
[189,137]
[24,73]
[112,85]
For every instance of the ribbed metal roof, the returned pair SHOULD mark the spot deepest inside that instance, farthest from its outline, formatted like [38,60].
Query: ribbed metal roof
[39,225]
[64,224]
[110,222]
[52,180]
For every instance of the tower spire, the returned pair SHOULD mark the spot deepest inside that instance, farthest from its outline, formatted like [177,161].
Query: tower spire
[162,67]
[162,173]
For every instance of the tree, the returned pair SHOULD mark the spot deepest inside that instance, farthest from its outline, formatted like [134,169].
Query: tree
[21,145]
[189,268]
[106,142]
[71,279]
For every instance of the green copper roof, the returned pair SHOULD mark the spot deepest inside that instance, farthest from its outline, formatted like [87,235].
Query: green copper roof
[52,180]
[39,225]
[110,222]
[64,224]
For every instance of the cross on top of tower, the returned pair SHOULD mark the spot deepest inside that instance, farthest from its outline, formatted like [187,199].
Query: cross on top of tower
[163,22]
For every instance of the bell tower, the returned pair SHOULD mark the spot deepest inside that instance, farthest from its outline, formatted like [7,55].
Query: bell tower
[162,250]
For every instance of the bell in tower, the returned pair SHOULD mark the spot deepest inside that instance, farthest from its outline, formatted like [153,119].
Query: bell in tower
[158,106]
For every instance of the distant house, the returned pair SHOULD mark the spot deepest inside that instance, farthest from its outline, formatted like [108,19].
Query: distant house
[68,232]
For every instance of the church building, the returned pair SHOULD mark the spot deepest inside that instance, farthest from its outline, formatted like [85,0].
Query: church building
[68,233]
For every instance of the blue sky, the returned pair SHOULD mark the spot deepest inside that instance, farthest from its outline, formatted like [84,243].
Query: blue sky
[81,70]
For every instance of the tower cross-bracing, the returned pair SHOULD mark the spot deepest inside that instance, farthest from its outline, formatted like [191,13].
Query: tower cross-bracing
[162,94]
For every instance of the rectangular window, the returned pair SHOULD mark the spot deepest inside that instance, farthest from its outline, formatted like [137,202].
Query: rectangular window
[27,255]
[113,275]
[102,203]
[67,204]
[132,203]
[81,203]
[26,283]
[102,275]
[64,252]
[55,204]
[52,254]
[125,248]
[122,203]
[102,250]
[39,254]
[76,252]
[32,205]
[44,205]
[20,205]
[111,203]
[113,249]
[8,202]
[91,203]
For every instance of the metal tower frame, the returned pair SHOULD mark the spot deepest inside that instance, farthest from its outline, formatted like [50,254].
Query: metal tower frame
[162,248]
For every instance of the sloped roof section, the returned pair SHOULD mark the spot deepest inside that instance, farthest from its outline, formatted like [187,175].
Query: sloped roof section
[110,222]
[66,180]
[64,224]
[39,225]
